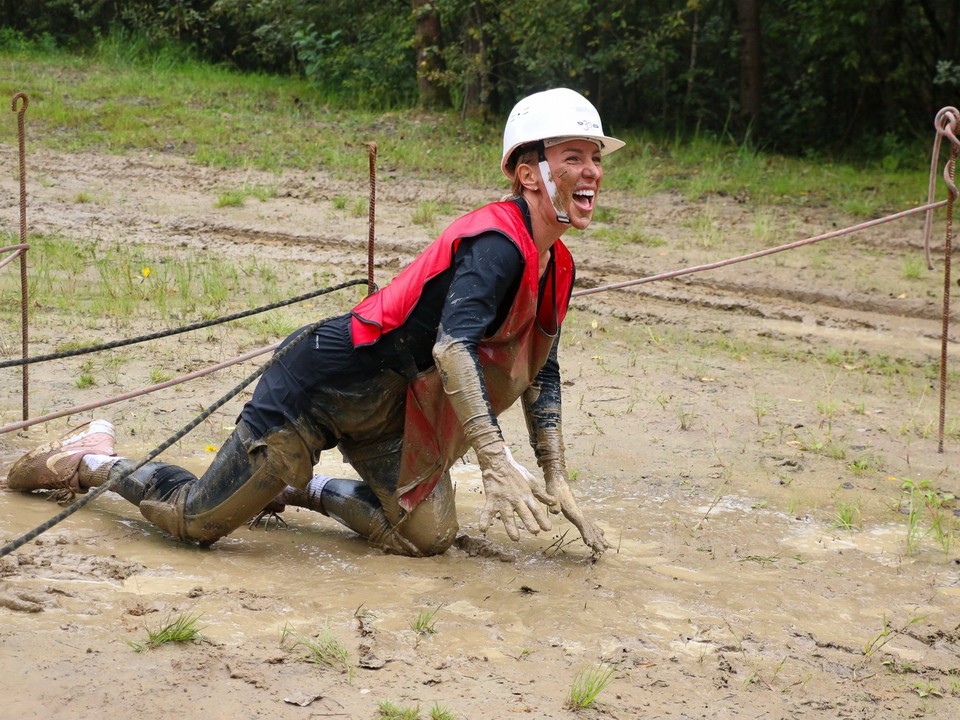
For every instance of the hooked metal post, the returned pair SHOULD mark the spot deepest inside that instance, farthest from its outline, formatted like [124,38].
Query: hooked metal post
[24,327]
[946,125]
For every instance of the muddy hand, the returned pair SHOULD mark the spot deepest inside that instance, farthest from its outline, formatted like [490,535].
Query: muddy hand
[567,504]
[511,490]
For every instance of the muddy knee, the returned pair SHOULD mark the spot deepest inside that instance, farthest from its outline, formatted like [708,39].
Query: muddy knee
[247,474]
[431,527]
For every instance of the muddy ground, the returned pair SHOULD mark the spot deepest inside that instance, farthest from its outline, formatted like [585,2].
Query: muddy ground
[743,436]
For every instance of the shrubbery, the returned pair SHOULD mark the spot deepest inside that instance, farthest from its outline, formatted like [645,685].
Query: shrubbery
[835,75]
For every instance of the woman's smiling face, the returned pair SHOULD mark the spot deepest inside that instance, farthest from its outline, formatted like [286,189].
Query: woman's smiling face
[577,173]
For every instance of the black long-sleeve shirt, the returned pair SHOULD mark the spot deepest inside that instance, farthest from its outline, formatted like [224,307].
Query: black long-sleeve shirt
[467,302]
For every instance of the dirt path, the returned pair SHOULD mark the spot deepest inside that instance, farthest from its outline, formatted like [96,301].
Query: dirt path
[720,427]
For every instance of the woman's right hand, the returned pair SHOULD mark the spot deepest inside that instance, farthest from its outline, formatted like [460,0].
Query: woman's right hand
[512,491]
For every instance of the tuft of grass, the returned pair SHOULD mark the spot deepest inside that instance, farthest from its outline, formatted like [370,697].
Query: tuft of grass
[361,206]
[707,228]
[230,198]
[439,712]
[922,501]
[237,196]
[588,684]
[386,710]
[183,629]
[424,624]
[159,375]
[761,406]
[686,418]
[846,516]
[425,213]
[324,649]
[913,268]
[887,633]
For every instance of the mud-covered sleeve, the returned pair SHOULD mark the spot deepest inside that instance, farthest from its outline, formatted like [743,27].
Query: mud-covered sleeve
[545,401]
[542,411]
[548,379]
[487,272]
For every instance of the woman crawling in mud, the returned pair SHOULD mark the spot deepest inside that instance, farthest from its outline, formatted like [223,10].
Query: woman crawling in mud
[407,382]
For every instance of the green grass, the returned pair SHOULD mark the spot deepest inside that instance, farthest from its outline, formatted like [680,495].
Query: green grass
[183,629]
[588,684]
[616,237]
[440,712]
[386,710]
[929,514]
[425,621]
[846,516]
[160,375]
[93,281]
[115,100]
[324,649]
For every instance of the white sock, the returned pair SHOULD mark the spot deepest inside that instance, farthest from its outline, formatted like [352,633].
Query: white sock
[91,462]
[315,486]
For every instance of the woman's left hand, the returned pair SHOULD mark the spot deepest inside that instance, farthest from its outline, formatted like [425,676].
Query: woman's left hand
[565,502]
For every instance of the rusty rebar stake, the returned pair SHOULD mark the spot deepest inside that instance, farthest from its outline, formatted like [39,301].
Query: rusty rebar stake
[371,222]
[24,303]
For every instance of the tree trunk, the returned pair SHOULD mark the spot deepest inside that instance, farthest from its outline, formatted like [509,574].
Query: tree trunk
[692,68]
[751,66]
[432,92]
[474,78]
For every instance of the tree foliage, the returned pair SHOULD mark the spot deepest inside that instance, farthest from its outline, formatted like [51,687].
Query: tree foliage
[845,73]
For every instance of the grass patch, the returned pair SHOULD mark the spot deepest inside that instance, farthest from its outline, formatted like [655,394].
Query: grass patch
[324,649]
[237,197]
[428,211]
[110,100]
[183,629]
[617,237]
[846,516]
[588,684]
[425,622]
[124,283]
[929,514]
[386,710]
[160,375]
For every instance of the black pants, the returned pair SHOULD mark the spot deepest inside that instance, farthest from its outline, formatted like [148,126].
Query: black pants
[365,420]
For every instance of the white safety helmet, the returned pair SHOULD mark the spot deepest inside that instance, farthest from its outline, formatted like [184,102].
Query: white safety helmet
[554,115]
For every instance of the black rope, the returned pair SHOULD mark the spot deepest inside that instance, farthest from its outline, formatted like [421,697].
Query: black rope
[16,362]
[98,491]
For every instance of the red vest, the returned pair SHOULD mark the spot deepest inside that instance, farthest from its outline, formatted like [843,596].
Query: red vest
[510,359]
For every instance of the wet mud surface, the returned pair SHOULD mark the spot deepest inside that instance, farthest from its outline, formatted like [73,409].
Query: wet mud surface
[742,435]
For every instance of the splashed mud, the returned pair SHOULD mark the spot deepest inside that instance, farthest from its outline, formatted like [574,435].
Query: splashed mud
[724,429]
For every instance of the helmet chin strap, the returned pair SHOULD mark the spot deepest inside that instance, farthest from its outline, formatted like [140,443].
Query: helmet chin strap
[551,189]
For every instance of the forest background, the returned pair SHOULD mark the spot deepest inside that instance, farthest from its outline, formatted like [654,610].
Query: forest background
[805,77]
